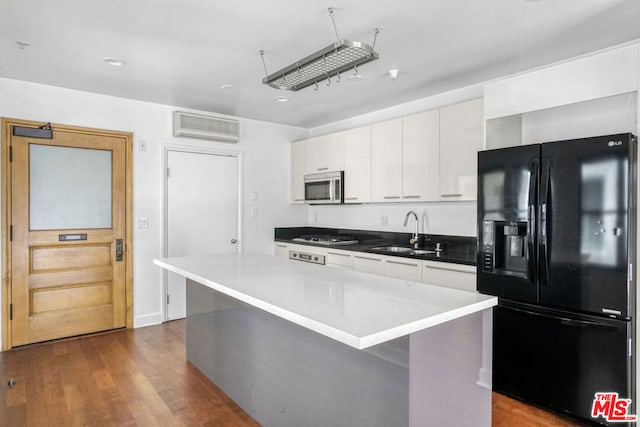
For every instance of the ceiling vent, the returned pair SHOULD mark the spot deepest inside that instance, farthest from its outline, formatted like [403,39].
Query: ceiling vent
[205,127]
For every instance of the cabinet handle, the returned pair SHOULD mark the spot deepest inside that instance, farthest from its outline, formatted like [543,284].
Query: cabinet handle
[402,263]
[451,195]
[391,197]
[281,246]
[370,259]
[322,169]
[411,197]
[298,200]
[335,253]
[351,198]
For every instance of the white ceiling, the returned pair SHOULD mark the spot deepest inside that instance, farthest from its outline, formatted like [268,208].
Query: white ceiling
[179,52]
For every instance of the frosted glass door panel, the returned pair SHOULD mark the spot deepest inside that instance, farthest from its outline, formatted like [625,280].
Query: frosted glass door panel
[69,188]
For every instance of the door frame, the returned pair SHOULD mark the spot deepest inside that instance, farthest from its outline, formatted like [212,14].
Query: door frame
[166,148]
[5,200]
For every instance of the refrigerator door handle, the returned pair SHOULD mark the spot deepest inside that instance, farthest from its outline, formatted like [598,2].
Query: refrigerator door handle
[544,221]
[531,221]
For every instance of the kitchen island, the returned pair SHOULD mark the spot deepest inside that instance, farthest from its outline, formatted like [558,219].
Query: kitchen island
[297,344]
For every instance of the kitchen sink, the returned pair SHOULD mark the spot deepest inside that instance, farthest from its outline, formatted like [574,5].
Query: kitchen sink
[402,250]
[421,252]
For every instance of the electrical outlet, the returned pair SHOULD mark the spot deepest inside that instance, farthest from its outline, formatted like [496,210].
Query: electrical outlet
[143,222]
[384,220]
[254,196]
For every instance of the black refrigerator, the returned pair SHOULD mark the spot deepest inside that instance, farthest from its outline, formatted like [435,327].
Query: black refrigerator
[556,244]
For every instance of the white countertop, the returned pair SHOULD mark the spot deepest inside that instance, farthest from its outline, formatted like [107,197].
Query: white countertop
[357,309]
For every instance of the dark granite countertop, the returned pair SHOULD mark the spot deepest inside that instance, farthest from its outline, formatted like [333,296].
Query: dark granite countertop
[456,249]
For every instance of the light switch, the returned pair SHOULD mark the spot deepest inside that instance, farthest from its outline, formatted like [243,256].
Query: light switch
[254,212]
[142,147]
[254,196]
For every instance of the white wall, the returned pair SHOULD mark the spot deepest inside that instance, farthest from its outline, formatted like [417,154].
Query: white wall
[453,218]
[265,151]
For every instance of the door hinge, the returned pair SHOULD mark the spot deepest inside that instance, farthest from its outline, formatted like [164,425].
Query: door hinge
[10,311]
[167,299]
[11,233]
[168,173]
[10,153]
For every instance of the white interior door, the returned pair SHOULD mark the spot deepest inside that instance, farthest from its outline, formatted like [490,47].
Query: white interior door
[202,213]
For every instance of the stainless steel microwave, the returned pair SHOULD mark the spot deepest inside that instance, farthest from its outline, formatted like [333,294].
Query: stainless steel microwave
[324,188]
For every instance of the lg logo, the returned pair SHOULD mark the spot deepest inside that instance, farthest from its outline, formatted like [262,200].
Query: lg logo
[614,143]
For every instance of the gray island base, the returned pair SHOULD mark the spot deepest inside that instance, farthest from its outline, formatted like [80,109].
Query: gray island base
[303,345]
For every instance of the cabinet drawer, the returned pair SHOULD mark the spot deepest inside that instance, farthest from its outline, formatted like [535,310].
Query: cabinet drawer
[402,268]
[449,275]
[281,249]
[336,258]
[368,264]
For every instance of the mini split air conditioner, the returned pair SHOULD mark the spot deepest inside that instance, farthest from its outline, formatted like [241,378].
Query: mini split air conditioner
[205,127]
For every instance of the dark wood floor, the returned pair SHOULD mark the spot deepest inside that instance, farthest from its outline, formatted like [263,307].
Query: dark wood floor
[141,377]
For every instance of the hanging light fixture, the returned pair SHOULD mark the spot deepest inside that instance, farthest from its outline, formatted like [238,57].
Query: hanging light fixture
[338,57]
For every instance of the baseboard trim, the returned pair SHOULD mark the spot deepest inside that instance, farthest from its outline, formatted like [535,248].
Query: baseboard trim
[147,320]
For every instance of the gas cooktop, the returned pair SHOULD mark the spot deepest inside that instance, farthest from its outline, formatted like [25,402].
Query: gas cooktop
[326,239]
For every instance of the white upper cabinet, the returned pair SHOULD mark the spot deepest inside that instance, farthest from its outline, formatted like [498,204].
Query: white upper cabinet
[386,161]
[357,165]
[298,156]
[325,153]
[461,137]
[420,157]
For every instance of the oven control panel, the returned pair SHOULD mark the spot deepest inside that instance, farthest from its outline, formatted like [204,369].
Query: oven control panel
[306,257]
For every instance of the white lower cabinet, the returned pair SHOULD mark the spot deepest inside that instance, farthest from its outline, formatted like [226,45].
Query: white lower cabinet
[449,275]
[403,268]
[445,274]
[338,258]
[368,263]
[281,249]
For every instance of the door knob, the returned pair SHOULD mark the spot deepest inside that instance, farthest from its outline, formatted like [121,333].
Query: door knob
[234,241]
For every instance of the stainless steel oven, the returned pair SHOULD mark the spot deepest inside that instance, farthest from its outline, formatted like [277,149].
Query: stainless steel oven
[324,188]
[306,257]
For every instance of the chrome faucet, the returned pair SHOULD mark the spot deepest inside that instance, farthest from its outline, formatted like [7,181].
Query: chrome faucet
[415,239]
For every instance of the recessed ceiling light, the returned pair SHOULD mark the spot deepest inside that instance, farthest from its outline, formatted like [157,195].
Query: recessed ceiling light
[115,62]
[226,86]
[281,99]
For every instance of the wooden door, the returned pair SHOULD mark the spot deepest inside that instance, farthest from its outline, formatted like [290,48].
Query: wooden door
[69,234]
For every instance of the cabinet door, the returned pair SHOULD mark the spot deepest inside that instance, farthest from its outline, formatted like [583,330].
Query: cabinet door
[281,249]
[461,137]
[368,263]
[298,167]
[386,161]
[325,153]
[420,157]
[357,165]
[449,275]
[338,258]
[402,268]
